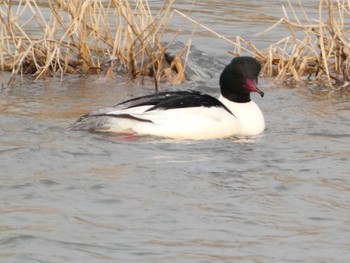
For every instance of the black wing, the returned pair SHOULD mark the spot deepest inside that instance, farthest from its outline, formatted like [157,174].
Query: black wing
[153,99]
[172,100]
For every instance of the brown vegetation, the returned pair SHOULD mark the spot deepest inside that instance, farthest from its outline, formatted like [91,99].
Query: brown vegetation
[85,36]
[321,55]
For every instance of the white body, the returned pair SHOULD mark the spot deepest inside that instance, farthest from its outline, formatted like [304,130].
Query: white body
[190,123]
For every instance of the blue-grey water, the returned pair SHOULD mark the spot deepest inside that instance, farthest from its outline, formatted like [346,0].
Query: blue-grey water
[83,197]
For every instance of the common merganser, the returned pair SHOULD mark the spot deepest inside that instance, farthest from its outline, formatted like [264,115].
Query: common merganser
[189,114]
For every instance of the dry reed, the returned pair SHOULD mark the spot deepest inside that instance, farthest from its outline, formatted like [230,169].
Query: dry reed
[321,55]
[84,37]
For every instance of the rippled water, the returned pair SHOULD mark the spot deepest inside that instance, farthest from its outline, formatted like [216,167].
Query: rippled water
[81,197]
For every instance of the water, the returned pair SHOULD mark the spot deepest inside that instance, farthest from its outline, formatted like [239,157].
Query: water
[82,197]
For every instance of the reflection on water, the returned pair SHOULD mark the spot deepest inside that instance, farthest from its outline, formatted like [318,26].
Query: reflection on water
[76,196]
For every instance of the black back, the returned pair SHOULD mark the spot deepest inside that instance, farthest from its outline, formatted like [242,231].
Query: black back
[173,100]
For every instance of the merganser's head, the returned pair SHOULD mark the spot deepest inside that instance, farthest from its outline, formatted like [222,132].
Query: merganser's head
[240,78]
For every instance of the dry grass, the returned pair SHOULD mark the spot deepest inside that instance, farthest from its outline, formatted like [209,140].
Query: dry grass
[94,37]
[87,37]
[321,55]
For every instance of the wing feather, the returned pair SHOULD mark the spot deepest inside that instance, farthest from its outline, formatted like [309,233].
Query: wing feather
[154,99]
[172,100]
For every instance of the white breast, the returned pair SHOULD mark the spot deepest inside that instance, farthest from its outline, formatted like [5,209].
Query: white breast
[249,115]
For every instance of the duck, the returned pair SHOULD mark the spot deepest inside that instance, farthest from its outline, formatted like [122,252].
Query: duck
[188,114]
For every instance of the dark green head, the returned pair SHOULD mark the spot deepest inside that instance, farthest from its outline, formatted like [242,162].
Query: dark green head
[239,78]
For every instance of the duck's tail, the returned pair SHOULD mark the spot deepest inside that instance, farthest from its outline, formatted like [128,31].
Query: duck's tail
[91,122]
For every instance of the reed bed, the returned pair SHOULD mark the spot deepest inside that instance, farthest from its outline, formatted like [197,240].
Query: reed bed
[88,37]
[317,50]
[95,37]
